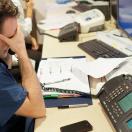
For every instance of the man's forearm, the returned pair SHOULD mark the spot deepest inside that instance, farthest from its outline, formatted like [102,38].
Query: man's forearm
[29,78]
[30,82]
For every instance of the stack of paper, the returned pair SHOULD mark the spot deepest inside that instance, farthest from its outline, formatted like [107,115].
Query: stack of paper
[58,73]
[71,74]
[99,67]
[56,22]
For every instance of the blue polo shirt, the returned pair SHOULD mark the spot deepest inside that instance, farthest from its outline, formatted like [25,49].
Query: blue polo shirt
[12,95]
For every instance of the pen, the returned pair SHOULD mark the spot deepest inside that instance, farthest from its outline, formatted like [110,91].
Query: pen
[63,80]
[52,96]
[60,96]
[64,91]
[72,106]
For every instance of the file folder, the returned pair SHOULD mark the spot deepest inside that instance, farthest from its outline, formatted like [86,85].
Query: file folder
[68,101]
[55,102]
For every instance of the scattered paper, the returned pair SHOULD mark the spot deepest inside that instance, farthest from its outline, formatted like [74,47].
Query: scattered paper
[59,73]
[56,22]
[100,67]
[113,39]
[124,68]
[71,74]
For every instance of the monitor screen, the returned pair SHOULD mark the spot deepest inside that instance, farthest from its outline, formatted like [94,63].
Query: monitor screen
[126,103]
[124,21]
[129,124]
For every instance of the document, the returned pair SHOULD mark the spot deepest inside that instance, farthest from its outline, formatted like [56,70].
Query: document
[99,67]
[59,73]
[56,16]
[124,68]
[56,22]
[113,39]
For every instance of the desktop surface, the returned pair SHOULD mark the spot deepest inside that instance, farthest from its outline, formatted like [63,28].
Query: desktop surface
[56,118]
[60,117]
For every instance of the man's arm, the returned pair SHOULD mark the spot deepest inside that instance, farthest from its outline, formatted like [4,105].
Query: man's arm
[33,105]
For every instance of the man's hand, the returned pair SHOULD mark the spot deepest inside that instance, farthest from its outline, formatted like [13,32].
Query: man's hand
[17,43]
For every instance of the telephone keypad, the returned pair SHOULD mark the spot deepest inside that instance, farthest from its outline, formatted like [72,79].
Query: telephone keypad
[116,92]
[116,111]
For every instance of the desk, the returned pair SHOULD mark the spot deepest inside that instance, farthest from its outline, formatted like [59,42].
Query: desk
[59,117]
[55,118]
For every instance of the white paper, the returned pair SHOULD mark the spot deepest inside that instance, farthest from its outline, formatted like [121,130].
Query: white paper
[100,67]
[120,43]
[54,70]
[124,68]
[56,22]
[54,8]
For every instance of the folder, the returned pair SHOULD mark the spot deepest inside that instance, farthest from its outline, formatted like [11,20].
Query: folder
[68,101]
[73,57]
[55,102]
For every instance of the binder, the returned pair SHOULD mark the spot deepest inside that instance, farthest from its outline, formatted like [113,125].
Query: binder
[55,102]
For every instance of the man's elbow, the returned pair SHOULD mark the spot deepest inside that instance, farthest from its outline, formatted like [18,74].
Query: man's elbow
[40,113]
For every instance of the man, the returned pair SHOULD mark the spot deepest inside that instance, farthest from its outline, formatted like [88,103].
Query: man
[17,103]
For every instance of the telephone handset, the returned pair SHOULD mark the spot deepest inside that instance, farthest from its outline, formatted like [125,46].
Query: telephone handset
[116,99]
[69,32]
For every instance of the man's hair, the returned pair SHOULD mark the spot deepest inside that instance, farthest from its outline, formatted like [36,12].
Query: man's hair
[7,9]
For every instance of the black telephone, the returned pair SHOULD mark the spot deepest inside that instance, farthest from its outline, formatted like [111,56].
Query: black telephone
[69,32]
[116,99]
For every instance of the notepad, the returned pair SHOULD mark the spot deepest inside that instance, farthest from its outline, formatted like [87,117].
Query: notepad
[59,73]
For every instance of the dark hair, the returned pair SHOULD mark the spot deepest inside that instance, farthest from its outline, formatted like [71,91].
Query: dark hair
[7,9]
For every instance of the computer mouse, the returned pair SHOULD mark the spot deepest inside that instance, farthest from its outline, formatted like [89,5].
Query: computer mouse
[70,12]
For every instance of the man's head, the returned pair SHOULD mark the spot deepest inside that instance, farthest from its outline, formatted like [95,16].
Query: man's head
[8,24]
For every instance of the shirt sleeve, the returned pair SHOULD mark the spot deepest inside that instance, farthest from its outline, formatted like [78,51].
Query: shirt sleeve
[12,96]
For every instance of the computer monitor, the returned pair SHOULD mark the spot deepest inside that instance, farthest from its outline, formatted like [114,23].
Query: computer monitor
[124,21]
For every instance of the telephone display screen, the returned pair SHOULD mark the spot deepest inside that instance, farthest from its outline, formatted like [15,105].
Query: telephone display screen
[129,124]
[126,102]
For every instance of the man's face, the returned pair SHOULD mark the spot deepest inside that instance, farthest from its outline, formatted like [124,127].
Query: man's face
[9,30]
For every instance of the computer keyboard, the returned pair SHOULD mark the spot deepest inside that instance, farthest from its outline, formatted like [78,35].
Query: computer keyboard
[97,48]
